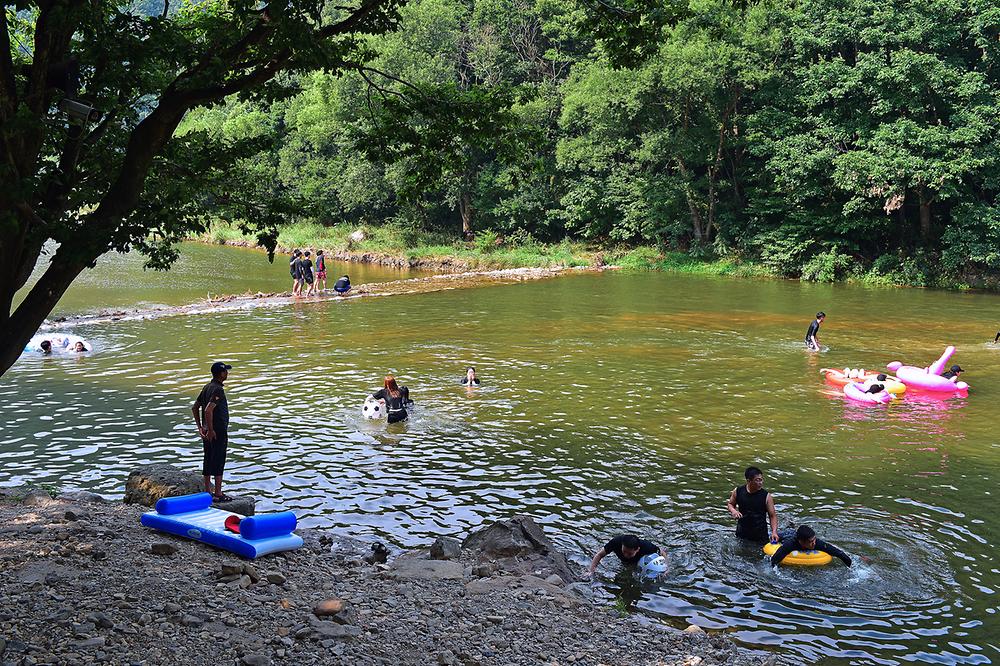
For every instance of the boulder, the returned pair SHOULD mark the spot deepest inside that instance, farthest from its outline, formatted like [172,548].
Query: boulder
[446,548]
[150,483]
[81,496]
[520,546]
[241,504]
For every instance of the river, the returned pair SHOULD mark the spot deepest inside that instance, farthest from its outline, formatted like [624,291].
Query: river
[610,402]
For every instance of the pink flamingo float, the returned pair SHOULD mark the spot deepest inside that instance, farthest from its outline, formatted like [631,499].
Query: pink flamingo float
[929,378]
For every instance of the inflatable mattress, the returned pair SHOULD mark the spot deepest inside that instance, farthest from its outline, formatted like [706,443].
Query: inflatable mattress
[193,516]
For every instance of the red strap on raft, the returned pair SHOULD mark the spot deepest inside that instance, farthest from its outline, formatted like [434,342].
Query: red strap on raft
[233,524]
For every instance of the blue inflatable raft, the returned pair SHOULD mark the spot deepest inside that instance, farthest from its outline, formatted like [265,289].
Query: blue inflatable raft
[193,516]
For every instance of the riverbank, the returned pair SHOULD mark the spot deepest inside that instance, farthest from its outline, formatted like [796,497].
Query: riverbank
[400,247]
[84,583]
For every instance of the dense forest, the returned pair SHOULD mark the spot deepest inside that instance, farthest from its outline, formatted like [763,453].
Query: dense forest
[818,138]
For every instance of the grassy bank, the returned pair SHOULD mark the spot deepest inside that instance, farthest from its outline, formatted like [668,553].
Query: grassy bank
[398,245]
[487,251]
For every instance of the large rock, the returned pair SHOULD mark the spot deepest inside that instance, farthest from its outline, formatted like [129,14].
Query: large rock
[446,548]
[520,546]
[150,483]
[241,504]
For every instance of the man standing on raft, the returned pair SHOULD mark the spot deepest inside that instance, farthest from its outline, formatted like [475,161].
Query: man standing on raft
[211,415]
[753,508]
[812,341]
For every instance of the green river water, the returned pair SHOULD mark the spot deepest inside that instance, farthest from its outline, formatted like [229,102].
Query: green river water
[610,402]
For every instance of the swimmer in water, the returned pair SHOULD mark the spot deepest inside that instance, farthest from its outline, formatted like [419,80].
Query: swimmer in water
[470,378]
[805,539]
[80,347]
[46,346]
[395,398]
[812,335]
[753,508]
[629,549]
[953,374]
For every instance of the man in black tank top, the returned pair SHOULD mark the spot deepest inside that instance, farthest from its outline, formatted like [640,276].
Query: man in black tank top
[753,509]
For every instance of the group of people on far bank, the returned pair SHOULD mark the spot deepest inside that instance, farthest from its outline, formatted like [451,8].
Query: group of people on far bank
[310,277]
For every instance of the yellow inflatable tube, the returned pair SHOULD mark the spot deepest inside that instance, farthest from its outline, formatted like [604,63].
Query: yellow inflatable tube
[805,558]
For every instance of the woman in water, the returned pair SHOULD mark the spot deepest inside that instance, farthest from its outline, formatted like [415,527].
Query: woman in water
[470,378]
[395,397]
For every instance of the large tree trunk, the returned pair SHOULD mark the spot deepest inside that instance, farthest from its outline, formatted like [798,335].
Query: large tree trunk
[925,217]
[466,210]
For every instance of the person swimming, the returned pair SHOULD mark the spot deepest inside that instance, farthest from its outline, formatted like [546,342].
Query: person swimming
[953,373]
[80,347]
[395,397]
[46,346]
[470,378]
[805,539]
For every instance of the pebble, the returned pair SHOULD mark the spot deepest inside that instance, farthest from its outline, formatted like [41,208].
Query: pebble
[328,607]
[163,548]
[256,660]
[275,578]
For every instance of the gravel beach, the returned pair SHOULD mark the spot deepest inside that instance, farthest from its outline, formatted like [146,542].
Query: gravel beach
[82,582]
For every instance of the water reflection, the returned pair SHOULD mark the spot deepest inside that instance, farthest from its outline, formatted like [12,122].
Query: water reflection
[609,404]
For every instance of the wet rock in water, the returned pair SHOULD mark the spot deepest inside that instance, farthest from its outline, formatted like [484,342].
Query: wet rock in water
[150,483]
[446,548]
[521,545]
[163,548]
[407,568]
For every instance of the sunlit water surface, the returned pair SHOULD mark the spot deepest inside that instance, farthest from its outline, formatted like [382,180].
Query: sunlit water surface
[610,403]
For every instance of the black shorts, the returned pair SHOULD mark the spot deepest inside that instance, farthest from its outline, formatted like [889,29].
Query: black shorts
[215,455]
[396,417]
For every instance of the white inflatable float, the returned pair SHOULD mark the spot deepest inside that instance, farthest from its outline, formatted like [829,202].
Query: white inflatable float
[61,343]
[373,409]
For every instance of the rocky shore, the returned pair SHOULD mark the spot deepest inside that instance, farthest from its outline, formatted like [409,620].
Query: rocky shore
[81,582]
[414,285]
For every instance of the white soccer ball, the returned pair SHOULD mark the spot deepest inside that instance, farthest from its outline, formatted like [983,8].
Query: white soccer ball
[373,410]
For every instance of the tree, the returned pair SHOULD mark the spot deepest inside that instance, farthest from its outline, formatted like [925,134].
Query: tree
[111,174]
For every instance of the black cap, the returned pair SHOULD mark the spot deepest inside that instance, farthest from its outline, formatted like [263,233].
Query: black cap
[219,366]
[957,368]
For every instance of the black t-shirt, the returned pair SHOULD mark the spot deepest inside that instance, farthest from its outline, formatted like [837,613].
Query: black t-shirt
[342,284]
[295,267]
[307,268]
[394,404]
[813,330]
[753,506]
[465,380]
[213,392]
[948,374]
[645,548]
